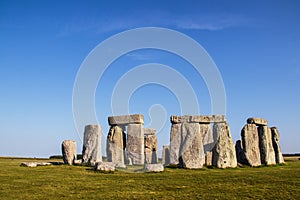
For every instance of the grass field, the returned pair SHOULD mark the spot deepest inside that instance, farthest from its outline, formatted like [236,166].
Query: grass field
[66,182]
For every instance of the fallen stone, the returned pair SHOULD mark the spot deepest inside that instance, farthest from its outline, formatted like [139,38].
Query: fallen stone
[69,151]
[166,155]
[77,162]
[28,164]
[175,143]
[267,153]
[105,166]
[224,154]
[91,151]
[191,154]
[257,121]
[126,119]
[275,141]
[115,146]
[250,145]
[154,168]
[43,163]
[197,119]
[135,144]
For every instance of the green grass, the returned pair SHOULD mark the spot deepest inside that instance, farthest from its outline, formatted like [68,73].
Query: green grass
[66,182]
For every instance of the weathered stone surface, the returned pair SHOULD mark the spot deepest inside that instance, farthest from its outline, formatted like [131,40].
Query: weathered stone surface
[151,149]
[149,131]
[267,153]
[166,155]
[257,121]
[191,154]
[43,163]
[35,164]
[154,168]
[135,144]
[208,158]
[240,156]
[197,119]
[28,164]
[91,151]
[250,145]
[126,119]
[224,154]
[69,154]
[104,166]
[207,135]
[77,162]
[276,146]
[175,142]
[115,146]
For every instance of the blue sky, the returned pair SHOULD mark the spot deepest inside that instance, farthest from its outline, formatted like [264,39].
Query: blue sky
[255,45]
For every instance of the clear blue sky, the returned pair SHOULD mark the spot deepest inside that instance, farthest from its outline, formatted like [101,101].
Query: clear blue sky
[255,44]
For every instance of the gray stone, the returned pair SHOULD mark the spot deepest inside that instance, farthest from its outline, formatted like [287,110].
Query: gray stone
[250,145]
[135,144]
[166,155]
[151,149]
[276,146]
[224,154]
[43,164]
[126,119]
[240,156]
[208,158]
[115,146]
[257,121]
[207,135]
[175,142]
[197,119]
[154,168]
[29,164]
[149,131]
[69,151]
[267,153]
[105,166]
[77,162]
[191,154]
[91,151]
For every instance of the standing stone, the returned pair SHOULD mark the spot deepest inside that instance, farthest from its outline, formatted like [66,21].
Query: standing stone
[191,152]
[91,151]
[250,145]
[224,154]
[240,156]
[276,146]
[151,147]
[115,146]
[208,158]
[68,148]
[175,142]
[267,153]
[207,135]
[166,155]
[135,144]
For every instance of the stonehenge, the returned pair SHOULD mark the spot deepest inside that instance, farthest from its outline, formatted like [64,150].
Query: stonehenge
[195,141]
[192,143]
[259,144]
[140,145]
